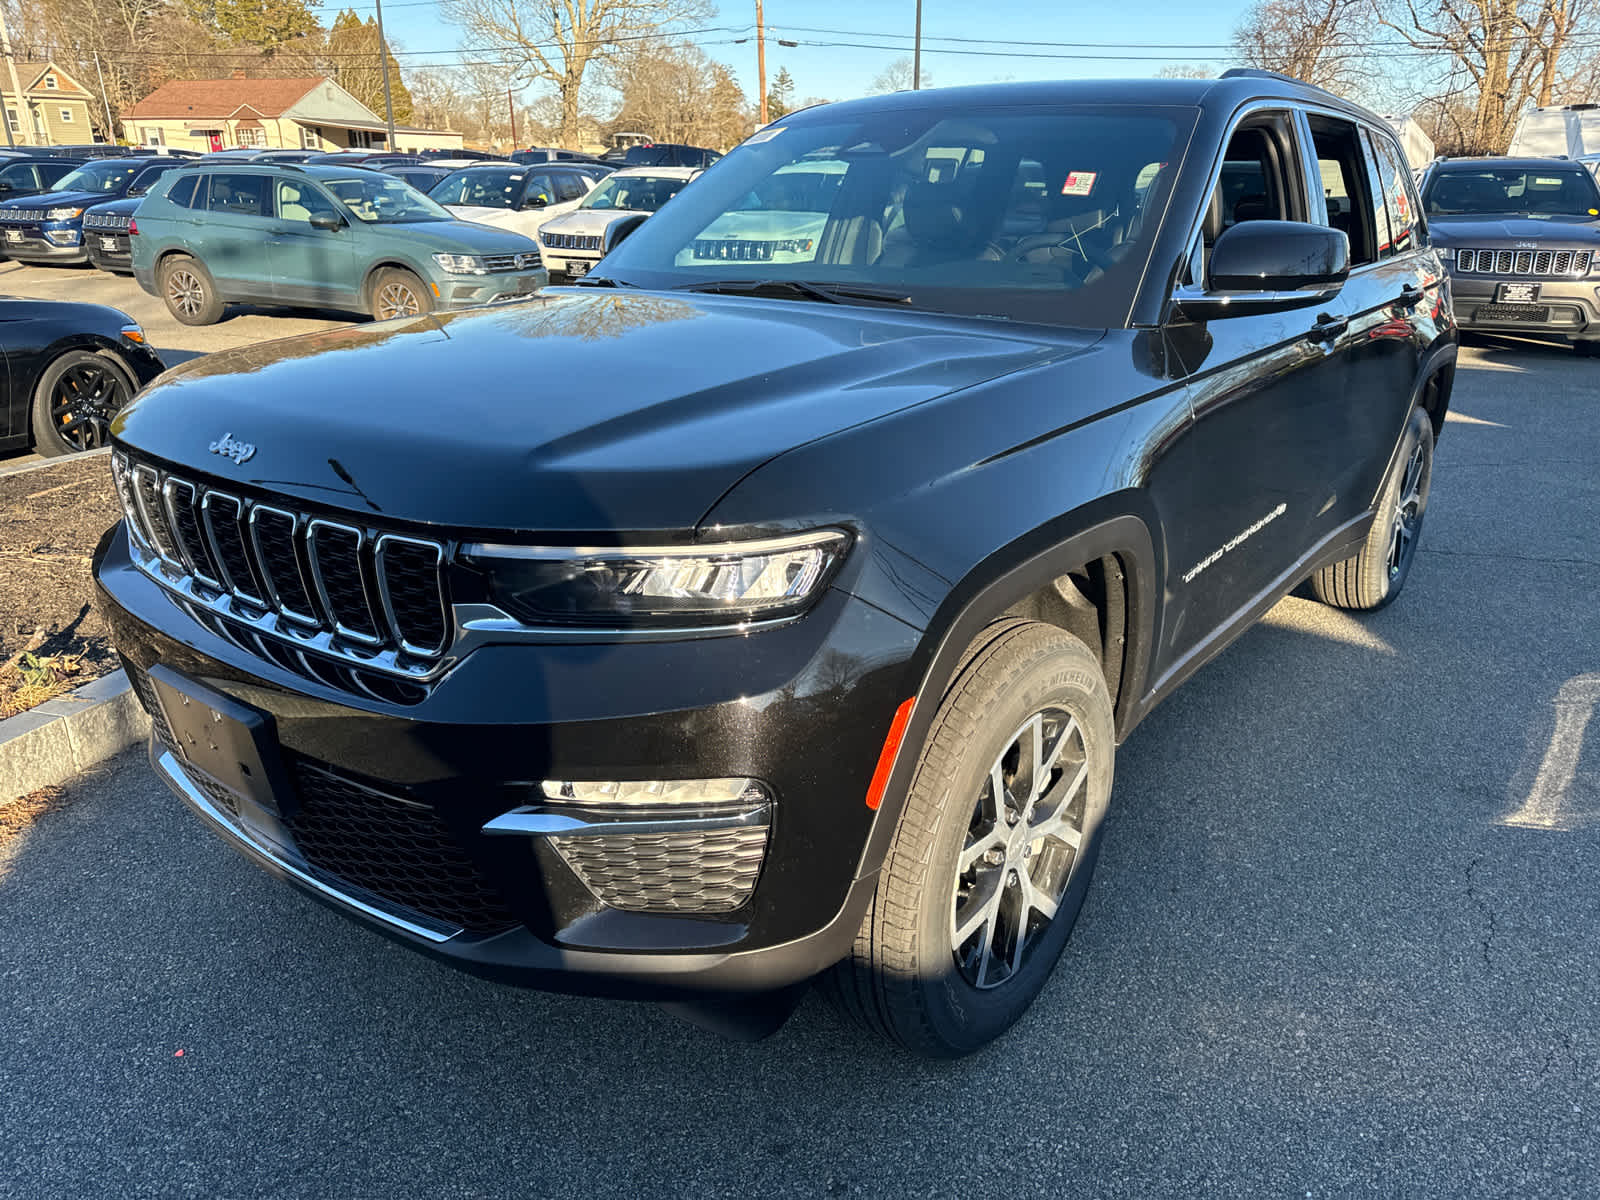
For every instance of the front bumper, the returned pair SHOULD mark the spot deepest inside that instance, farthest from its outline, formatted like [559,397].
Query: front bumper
[32,244]
[466,291]
[802,707]
[1574,305]
[117,256]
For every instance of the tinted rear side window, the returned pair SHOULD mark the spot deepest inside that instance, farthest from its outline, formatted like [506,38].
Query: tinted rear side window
[1399,194]
[568,187]
[240,195]
[51,172]
[19,175]
[182,192]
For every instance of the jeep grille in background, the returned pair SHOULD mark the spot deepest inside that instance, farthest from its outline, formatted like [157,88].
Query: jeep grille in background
[572,241]
[372,599]
[1523,262]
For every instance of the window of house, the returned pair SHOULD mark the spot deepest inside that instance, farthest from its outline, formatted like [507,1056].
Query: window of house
[66,115]
[49,83]
[252,137]
[310,137]
[1354,203]
[152,137]
[12,120]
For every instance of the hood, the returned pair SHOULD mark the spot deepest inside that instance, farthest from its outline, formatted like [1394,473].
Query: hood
[125,207]
[1503,232]
[578,410]
[481,214]
[589,221]
[56,200]
[458,237]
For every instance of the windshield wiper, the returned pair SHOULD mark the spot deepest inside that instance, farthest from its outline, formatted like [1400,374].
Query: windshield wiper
[828,293]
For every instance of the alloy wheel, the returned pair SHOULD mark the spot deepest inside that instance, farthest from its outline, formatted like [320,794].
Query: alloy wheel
[1407,512]
[83,403]
[185,292]
[1023,841]
[396,300]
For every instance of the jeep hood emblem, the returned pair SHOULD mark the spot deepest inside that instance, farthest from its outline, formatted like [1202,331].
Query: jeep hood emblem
[240,452]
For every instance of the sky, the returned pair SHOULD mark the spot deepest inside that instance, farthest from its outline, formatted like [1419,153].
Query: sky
[844,45]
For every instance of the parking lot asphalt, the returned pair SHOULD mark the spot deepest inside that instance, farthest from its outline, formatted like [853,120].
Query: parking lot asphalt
[1344,940]
[244,325]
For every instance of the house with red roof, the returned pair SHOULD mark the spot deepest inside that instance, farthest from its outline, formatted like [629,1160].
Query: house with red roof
[311,113]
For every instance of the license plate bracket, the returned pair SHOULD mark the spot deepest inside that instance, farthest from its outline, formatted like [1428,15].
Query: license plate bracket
[1517,293]
[576,267]
[108,243]
[13,235]
[232,744]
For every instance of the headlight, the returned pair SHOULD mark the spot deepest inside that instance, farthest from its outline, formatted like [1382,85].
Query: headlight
[63,214]
[731,583]
[461,264]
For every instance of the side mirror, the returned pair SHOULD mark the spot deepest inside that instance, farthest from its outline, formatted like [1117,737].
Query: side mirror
[329,221]
[1270,266]
[618,231]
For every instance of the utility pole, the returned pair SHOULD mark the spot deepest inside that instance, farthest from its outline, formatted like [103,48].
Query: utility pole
[383,60]
[512,109]
[16,88]
[916,54]
[111,126]
[761,59]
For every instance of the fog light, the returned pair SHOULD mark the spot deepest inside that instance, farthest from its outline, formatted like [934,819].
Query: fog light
[62,237]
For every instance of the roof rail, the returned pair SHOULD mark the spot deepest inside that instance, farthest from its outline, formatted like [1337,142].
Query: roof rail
[1281,77]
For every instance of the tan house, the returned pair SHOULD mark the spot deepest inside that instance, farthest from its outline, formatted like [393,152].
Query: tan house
[310,113]
[57,106]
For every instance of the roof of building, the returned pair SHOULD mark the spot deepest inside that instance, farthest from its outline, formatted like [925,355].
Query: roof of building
[190,99]
[31,76]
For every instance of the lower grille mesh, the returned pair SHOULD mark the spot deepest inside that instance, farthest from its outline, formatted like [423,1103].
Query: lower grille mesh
[710,872]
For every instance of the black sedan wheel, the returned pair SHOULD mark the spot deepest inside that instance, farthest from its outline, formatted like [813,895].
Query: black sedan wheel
[77,397]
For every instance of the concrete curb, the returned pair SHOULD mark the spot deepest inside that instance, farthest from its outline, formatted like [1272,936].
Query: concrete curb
[48,745]
[45,464]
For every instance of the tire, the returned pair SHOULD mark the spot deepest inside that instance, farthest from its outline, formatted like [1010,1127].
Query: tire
[924,970]
[189,291]
[77,396]
[399,293]
[1374,575]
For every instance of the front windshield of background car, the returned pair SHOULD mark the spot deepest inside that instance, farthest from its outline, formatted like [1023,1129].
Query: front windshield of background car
[1044,214]
[384,200]
[1531,191]
[485,187]
[103,176]
[636,193]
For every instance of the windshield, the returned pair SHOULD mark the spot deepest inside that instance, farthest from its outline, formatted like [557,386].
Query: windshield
[487,187]
[1542,191]
[105,176]
[385,200]
[1043,214]
[636,193]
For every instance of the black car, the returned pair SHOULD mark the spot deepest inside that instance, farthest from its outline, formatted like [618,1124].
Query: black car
[376,160]
[30,176]
[805,642]
[49,227]
[1521,238]
[68,369]
[105,226]
[420,175]
[668,154]
[85,150]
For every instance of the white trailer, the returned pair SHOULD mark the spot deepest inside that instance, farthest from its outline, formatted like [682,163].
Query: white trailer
[1417,145]
[1567,131]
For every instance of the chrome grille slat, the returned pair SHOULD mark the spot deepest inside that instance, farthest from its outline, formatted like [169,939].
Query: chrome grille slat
[1548,263]
[284,584]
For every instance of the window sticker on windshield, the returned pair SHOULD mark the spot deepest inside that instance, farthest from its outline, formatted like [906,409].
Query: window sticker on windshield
[764,135]
[1079,183]
[1546,181]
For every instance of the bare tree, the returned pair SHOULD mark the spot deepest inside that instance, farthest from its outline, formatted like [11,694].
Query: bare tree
[1507,53]
[896,77]
[676,93]
[1185,71]
[556,41]
[1318,41]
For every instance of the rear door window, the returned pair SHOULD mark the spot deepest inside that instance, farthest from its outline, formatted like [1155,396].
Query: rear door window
[1399,194]
[240,195]
[1353,202]
[182,193]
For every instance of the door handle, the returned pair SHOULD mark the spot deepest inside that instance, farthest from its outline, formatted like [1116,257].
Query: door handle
[1328,328]
[1411,296]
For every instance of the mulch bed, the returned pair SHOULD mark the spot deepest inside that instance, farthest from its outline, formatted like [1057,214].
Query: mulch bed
[50,521]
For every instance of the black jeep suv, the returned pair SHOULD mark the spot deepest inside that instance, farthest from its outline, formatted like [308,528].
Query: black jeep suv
[1521,239]
[934,438]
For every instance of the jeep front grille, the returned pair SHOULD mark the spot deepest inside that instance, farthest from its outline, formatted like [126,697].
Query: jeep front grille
[290,587]
[572,241]
[105,221]
[1523,262]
